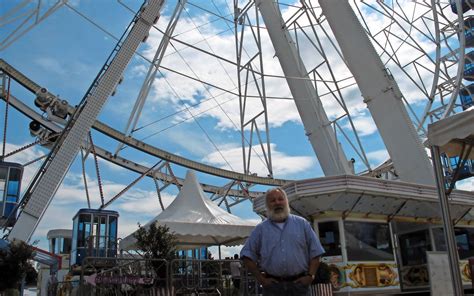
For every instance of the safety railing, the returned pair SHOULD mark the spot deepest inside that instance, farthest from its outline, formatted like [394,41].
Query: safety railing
[154,277]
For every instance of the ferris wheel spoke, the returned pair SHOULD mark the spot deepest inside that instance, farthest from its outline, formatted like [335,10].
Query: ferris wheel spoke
[421,24]
[22,19]
[151,74]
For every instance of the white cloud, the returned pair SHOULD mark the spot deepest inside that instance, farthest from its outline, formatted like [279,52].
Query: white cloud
[223,75]
[405,44]
[146,202]
[62,70]
[377,157]
[364,125]
[51,64]
[139,70]
[196,142]
[283,164]
[55,217]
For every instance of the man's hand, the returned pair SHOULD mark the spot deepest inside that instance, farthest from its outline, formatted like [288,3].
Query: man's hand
[265,281]
[304,280]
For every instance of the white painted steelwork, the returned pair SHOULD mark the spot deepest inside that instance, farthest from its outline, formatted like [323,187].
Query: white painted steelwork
[65,150]
[380,92]
[137,144]
[316,123]
[127,163]
[151,74]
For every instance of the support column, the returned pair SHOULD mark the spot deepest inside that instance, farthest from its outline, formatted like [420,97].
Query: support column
[316,123]
[380,92]
[447,223]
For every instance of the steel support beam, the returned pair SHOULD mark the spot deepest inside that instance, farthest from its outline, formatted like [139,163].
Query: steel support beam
[448,226]
[316,123]
[381,94]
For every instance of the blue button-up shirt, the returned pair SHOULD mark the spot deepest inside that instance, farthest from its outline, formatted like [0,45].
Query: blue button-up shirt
[283,252]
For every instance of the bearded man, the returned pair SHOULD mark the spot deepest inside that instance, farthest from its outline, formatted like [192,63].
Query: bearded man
[283,251]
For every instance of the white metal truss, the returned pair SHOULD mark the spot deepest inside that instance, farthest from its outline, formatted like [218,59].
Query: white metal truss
[229,200]
[165,168]
[47,181]
[152,71]
[142,146]
[23,16]
[381,94]
[316,123]
[250,71]
[330,85]
[413,26]
[163,175]
[315,76]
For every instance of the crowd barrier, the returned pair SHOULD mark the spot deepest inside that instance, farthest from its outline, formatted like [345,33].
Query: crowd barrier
[143,277]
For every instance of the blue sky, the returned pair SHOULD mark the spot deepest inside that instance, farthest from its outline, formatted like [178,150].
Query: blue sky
[65,52]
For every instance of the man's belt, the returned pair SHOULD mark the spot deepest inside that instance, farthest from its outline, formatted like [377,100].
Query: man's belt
[290,278]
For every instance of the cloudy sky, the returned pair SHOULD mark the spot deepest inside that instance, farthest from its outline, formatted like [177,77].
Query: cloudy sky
[193,107]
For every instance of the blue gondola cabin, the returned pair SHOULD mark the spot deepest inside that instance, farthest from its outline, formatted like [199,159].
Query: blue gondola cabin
[465,5]
[10,184]
[94,234]
[451,164]
[465,95]
[469,31]
[469,66]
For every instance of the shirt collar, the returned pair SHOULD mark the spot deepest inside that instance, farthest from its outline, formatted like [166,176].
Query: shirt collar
[290,216]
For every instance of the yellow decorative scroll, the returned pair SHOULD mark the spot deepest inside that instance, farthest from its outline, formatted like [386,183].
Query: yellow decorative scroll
[372,275]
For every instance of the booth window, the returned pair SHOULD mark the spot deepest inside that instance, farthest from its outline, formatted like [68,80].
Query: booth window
[66,246]
[58,245]
[367,241]
[438,236]
[329,237]
[413,247]
[464,241]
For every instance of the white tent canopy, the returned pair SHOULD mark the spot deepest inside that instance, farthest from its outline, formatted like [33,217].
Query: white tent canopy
[449,134]
[197,221]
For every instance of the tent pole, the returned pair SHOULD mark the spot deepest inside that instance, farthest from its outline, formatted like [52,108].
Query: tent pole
[447,222]
[220,257]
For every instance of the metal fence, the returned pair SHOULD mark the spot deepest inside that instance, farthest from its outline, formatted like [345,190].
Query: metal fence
[137,277]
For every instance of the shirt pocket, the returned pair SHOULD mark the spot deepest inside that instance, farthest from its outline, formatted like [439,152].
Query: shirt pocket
[299,241]
[268,244]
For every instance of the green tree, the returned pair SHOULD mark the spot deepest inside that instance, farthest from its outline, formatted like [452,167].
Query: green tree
[31,275]
[156,242]
[14,264]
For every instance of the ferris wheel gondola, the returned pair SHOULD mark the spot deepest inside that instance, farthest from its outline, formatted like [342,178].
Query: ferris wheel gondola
[10,186]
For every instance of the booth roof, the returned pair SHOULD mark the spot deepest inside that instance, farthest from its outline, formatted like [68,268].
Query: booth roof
[197,221]
[451,132]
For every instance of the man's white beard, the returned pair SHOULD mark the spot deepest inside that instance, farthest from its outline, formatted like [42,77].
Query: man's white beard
[278,216]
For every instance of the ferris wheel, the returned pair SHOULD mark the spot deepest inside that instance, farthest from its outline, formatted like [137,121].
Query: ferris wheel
[229,74]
